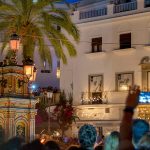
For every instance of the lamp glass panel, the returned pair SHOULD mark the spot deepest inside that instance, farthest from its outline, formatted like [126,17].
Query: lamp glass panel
[14,44]
[58,73]
[34,75]
[28,70]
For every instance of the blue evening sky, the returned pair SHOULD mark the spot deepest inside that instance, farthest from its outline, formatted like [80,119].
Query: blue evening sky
[72,1]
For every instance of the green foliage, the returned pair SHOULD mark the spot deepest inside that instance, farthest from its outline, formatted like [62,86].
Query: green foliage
[64,112]
[63,98]
[41,106]
[70,98]
[36,23]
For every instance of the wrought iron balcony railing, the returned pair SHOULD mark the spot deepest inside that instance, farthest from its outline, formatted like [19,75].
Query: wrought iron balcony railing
[88,98]
[125,7]
[49,101]
[93,13]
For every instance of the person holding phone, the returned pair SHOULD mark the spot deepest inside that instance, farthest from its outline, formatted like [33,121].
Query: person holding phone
[126,123]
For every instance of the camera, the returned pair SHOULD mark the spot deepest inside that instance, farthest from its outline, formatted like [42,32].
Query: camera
[144,97]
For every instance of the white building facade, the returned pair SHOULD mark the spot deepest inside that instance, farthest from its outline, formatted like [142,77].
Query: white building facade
[113,53]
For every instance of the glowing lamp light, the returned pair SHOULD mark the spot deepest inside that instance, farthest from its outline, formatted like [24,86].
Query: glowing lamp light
[33,86]
[14,42]
[58,73]
[28,70]
[49,94]
[33,76]
[124,87]
[42,140]
[28,67]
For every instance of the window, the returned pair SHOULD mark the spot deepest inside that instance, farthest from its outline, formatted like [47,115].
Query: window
[95,85]
[125,40]
[147,3]
[123,81]
[97,44]
[96,88]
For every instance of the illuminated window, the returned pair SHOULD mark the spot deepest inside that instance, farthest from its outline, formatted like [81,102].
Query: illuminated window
[97,44]
[124,80]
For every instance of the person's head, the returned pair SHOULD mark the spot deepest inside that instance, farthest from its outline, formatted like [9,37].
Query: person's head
[99,147]
[87,136]
[14,143]
[139,128]
[112,141]
[36,144]
[144,142]
[52,145]
[73,147]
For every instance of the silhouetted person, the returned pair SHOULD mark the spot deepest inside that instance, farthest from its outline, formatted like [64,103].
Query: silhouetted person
[34,145]
[139,128]
[99,147]
[14,143]
[73,147]
[52,145]
[112,141]
[144,142]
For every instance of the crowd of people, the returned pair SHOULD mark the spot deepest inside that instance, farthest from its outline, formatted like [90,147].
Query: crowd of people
[133,135]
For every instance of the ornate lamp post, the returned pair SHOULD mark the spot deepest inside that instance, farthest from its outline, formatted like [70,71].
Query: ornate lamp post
[49,96]
[18,107]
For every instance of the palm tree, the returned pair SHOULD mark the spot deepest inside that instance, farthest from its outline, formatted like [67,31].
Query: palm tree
[36,23]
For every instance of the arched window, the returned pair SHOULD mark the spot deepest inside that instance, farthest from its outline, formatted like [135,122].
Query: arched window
[20,129]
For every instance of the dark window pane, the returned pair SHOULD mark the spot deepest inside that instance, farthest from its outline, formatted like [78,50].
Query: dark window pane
[125,41]
[97,44]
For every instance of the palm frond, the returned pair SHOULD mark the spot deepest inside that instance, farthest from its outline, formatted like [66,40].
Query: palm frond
[66,24]
[4,44]
[36,22]
[6,6]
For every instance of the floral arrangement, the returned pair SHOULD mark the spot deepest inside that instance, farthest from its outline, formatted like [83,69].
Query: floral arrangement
[64,112]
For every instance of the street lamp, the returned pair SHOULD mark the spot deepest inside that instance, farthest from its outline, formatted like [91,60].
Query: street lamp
[14,42]
[49,96]
[28,64]
[29,68]
[58,73]
[58,70]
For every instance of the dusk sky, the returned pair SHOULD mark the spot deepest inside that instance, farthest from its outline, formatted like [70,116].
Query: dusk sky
[72,1]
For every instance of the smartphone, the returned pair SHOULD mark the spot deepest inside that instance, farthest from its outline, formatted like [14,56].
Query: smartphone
[144,97]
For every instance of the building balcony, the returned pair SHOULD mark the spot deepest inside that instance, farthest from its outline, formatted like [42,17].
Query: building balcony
[93,13]
[100,112]
[101,11]
[103,97]
[45,100]
[125,7]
